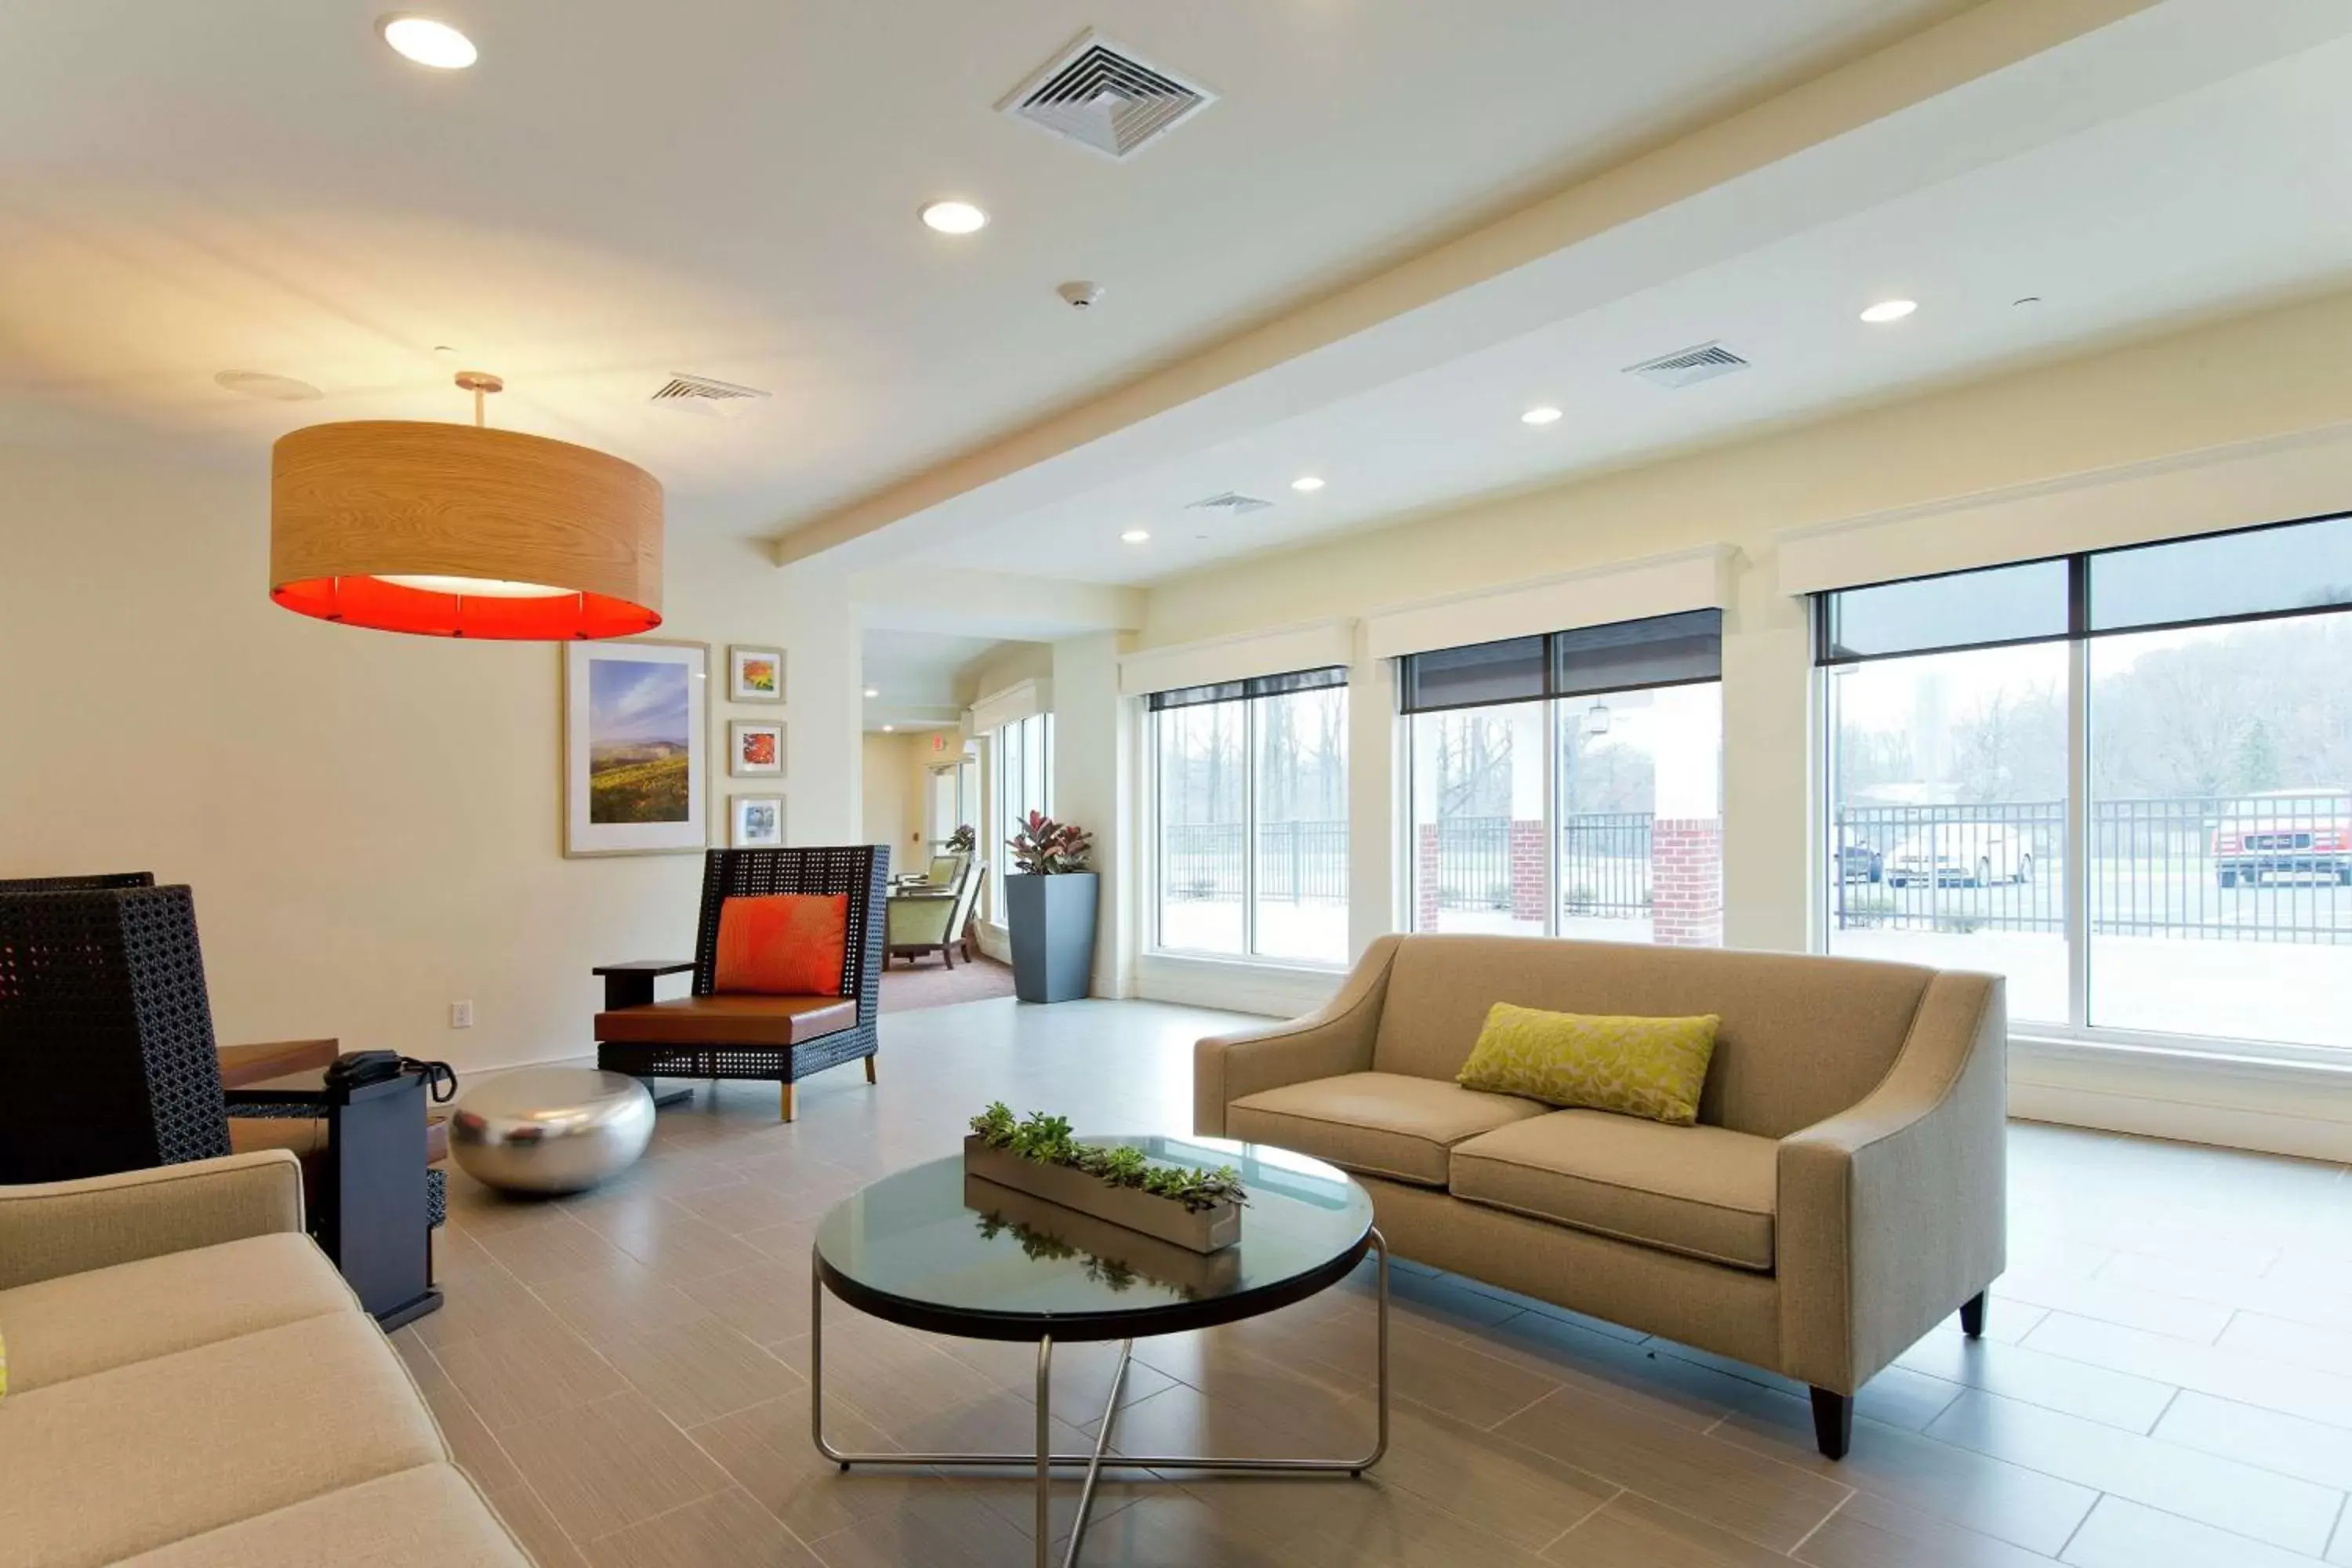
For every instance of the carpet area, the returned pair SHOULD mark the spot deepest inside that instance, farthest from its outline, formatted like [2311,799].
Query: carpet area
[931,984]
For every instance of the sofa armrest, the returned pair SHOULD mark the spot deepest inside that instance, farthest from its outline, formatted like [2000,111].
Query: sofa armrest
[1894,1213]
[1337,1038]
[53,1228]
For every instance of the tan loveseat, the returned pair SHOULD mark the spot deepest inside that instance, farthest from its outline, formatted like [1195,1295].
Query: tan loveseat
[191,1385]
[1842,1193]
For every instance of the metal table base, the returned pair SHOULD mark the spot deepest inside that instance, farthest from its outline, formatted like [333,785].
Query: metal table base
[1044,1461]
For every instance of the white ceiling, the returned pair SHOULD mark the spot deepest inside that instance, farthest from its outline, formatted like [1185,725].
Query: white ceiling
[914,675]
[620,190]
[2217,200]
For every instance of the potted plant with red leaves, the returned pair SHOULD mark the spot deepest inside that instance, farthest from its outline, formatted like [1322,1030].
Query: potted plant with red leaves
[1049,910]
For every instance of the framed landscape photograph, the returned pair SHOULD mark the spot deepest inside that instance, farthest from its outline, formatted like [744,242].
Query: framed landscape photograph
[636,747]
[755,821]
[755,748]
[755,674]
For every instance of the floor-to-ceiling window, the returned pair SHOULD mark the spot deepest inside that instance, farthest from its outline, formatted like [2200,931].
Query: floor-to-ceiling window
[1023,782]
[1250,801]
[1571,785]
[2119,778]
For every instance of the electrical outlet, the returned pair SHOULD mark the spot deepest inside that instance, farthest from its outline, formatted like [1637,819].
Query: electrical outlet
[461,1015]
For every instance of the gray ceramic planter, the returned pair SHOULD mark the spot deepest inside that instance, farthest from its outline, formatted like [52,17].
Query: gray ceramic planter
[1051,922]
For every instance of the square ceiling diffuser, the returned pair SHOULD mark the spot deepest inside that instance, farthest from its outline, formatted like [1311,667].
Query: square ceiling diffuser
[1105,98]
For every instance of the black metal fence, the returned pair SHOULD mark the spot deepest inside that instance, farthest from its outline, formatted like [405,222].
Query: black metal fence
[2259,869]
[1604,863]
[1303,862]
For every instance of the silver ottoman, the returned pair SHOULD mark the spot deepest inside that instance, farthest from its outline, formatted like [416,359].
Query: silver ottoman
[550,1129]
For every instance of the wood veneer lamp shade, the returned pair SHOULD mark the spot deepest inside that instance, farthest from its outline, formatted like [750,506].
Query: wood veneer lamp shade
[461,531]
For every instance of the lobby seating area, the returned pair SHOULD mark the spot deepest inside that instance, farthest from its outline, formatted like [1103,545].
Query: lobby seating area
[1243,785]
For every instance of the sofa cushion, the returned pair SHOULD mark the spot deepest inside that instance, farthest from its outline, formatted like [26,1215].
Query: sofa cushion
[1704,1192]
[80,1323]
[1802,1037]
[1651,1068]
[427,1515]
[119,1462]
[1383,1124]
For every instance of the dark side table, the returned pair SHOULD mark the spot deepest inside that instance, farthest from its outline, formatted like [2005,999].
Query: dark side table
[369,1186]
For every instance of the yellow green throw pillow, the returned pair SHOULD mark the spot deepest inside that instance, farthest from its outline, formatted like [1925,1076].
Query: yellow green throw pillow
[1638,1066]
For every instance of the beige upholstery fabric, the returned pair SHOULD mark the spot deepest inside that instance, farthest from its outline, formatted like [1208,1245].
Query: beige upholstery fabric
[1893,1213]
[1385,1124]
[1731,1311]
[81,1324]
[1881,1085]
[1338,1040]
[52,1228]
[1802,1038]
[1702,1191]
[125,1461]
[428,1516]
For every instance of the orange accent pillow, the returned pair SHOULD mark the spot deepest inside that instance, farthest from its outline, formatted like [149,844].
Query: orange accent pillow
[782,944]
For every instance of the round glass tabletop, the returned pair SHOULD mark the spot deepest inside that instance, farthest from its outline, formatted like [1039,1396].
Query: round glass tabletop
[935,1250]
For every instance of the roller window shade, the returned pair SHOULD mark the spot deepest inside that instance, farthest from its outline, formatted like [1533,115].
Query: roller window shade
[1255,686]
[1660,650]
[2251,574]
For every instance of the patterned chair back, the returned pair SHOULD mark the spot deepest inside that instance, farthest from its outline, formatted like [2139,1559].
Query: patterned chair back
[107,1055]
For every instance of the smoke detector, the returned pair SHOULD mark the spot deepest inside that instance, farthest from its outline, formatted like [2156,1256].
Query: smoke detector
[1105,98]
[719,399]
[1233,503]
[1688,368]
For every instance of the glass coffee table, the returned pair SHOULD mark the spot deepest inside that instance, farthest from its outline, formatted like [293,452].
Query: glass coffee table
[934,1250]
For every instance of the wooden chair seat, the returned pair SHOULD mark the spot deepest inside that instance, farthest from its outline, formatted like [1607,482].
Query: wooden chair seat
[729,1019]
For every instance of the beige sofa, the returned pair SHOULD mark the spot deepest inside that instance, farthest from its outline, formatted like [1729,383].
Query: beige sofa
[1842,1193]
[191,1385]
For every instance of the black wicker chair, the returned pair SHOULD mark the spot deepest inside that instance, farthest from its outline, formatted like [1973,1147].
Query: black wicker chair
[776,1039]
[108,1060]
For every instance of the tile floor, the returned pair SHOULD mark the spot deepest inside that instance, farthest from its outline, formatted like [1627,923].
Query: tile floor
[2167,1378]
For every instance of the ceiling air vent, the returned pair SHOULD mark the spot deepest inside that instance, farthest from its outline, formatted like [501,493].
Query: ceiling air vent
[1233,503]
[1689,366]
[1103,97]
[722,399]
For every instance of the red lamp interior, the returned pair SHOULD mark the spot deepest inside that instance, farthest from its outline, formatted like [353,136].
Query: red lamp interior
[388,606]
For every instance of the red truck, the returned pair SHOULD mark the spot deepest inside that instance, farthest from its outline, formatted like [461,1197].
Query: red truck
[2298,835]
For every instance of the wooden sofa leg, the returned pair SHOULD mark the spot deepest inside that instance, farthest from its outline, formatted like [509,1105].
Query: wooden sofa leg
[869,1070]
[788,1102]
[1972,1316]
[1833,1423]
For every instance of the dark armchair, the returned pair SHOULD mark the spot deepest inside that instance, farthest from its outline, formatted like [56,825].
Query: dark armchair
[108,1060]
[779,1039]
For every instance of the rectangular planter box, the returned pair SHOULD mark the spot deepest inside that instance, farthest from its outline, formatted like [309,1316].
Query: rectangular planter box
[1051,920]
[1192,1274]
[1206,1231]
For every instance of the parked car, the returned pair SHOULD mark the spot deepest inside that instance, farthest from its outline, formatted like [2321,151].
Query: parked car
[1855,861]
[1961,854]
[2285,834]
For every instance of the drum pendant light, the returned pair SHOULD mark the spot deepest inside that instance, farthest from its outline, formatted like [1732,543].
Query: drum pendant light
[460,531]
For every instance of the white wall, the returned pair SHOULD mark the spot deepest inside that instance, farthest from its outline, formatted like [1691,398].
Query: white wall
[371,822]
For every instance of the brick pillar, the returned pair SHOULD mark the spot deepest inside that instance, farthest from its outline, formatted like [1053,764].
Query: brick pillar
[1687,881]
[1528,869]
[1424,877]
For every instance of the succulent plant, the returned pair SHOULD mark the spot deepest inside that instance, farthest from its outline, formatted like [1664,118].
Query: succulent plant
[1048,1140]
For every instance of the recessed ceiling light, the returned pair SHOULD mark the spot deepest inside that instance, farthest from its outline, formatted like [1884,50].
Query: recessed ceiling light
[955,217]
[889,728]
[1887,310]
[428,42]
[1542,414]
[1136,535]
[872,692]
[1307,482]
